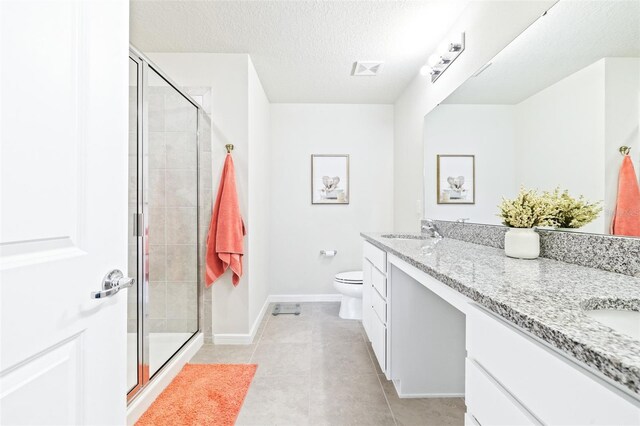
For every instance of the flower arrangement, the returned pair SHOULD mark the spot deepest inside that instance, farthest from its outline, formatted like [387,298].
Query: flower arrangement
[527,210]
[572,212]
[557,209]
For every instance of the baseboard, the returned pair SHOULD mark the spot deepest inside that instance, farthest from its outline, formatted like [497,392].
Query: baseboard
[247,338]
[292,298]
[396,385]
[143,401]
[242,339]
[431,395]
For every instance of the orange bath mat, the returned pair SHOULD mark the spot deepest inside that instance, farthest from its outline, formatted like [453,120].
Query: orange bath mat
[201,394]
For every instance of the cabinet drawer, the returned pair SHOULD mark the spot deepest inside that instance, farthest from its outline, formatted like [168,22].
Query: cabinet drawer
[367,291]
[549,385]
[379,306]
[379,282]
[379,341]
[377,257]
[469,420]
[490,404]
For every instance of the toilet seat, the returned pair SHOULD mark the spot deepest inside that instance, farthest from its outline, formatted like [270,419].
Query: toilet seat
[349,277]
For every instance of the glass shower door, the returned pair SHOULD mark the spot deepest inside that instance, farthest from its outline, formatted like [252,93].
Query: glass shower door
[172,206]
[163,222]
[134,359]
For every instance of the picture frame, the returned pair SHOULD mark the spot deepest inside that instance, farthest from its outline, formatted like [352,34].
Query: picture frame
[455,179]
[330,179]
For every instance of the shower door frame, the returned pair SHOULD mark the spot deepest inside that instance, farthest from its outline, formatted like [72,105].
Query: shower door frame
[141,224]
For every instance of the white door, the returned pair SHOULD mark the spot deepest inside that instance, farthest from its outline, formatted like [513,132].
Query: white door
[63,210]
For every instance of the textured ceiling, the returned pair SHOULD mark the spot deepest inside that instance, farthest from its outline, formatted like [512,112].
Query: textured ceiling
[304,51]
[571,36]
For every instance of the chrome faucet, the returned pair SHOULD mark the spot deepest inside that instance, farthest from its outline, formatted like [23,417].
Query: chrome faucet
[429,227]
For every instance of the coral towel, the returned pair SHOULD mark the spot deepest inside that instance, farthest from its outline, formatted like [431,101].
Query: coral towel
[226,232]
[626,219]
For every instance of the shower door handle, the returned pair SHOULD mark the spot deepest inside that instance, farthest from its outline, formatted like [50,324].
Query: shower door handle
[112,283]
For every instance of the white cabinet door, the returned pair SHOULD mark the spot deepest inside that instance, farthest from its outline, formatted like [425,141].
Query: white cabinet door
[379,281]
[379,306]
[367,309]
[379,341]
[376,256]
[551,387]
[488,403]
[63,211]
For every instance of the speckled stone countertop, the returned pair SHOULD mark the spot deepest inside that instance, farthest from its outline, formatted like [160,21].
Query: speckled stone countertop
[544,297]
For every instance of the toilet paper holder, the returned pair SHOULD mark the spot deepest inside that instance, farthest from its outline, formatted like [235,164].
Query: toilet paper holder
[328,253]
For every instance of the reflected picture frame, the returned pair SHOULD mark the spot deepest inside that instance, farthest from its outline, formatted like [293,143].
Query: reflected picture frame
[330,179]
[455,179]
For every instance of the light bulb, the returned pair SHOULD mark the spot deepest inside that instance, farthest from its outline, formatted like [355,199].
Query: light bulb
[433,60]
[443,48]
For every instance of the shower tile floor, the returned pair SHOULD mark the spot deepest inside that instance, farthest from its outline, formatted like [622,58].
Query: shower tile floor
[318,369]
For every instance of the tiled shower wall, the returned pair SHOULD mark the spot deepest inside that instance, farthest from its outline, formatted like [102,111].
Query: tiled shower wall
[173,208]
[174,243]
[206,194]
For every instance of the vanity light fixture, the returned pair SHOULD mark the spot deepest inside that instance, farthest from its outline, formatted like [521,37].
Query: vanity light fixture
[441,60]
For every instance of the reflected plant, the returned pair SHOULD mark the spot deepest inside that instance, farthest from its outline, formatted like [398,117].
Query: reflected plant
[570,212]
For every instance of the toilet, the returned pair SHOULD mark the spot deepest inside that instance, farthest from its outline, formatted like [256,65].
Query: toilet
[349,284]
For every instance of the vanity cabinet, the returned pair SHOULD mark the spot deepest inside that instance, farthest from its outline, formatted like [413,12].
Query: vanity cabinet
[513,379]
[434,341]
[374,300]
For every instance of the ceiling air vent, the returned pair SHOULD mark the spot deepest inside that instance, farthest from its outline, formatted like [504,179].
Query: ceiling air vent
[366,68]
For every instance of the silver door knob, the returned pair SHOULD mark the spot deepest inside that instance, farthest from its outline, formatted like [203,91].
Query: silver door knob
[112,283]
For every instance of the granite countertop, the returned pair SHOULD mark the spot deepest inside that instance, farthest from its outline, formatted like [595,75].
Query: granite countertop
[544,297]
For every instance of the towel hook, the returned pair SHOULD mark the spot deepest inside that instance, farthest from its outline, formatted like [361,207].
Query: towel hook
[229,147]
[625,150]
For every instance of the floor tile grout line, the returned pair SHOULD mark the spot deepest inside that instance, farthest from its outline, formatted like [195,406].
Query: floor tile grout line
[332,335]
[260,337]
[393,416]
[255,348]
[309,381]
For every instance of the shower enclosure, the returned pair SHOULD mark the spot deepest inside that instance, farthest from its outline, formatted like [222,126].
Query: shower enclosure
[165,244]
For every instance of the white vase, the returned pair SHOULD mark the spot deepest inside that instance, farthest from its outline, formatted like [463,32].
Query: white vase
[522,243]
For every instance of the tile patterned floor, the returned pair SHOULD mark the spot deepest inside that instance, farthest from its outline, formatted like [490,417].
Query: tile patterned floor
[317,369]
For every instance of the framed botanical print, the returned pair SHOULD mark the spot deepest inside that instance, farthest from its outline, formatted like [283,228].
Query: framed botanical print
[330,179]
[456,181]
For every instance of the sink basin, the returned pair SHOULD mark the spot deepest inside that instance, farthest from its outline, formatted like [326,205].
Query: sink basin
[405,236]
[623,321]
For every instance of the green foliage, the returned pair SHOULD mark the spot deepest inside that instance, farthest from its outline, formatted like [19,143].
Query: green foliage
[557,208]
[572,212]
[527,210]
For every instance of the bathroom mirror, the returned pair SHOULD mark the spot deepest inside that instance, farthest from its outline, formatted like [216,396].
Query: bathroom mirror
[550,110]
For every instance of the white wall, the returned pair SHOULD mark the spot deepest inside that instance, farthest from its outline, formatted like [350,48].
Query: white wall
[299,230]
[239,116]
[560,137]
[259,195]
[489,27]
[486,131]
[622,116]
